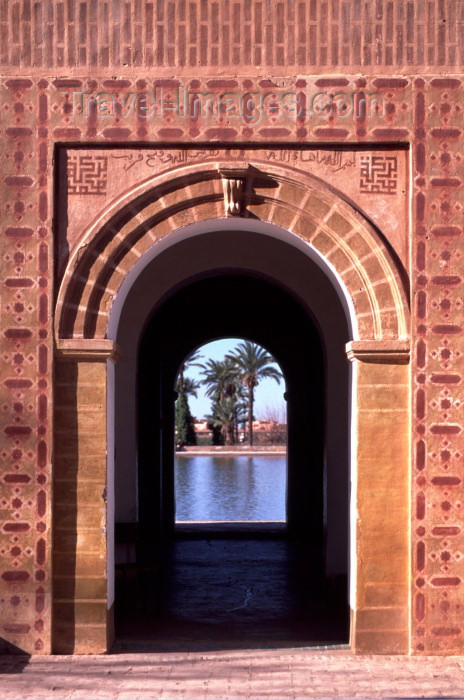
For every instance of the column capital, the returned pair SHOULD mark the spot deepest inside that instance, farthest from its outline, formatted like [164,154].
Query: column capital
[395,352]
[87,349]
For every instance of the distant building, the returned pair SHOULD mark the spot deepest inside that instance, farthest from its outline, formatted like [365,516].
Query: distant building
[265,432]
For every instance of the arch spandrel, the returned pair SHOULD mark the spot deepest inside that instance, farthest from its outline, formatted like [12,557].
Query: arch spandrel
[144,215]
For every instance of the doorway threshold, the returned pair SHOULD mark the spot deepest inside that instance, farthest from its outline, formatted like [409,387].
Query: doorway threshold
[236,528]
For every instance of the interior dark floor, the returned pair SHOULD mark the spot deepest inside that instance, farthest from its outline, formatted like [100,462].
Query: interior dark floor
[229,592]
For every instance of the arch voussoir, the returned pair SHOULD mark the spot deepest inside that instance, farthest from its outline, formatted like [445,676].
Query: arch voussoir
[339,234]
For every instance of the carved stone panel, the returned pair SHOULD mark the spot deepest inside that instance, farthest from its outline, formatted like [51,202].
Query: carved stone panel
[375,182]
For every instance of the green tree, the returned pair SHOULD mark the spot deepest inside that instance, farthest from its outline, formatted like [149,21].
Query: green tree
[186,386]
[192,360]
[217,438]
[189,386]
[221,379]
[223,386]
[224,416]
[253,363]
[184,422]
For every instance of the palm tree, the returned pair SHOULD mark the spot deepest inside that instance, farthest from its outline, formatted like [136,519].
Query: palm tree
[223,384]
[189,386]
[190,361]
[221,379]
[225,414]
[253,363]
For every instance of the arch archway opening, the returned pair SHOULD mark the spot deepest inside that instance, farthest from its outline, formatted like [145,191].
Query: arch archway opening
[242,305]
[320,252]
[230,437]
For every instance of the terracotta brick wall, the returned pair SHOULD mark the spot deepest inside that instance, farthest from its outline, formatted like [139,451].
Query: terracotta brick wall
[282,36]
[438,367]
[51,47]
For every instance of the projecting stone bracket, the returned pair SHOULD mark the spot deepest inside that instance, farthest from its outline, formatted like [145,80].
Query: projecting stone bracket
[233,184]
[87,349]
[395,352]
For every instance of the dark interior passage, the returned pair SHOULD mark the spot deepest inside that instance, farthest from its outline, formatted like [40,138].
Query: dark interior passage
[230,592]
[243,306]
[233,589]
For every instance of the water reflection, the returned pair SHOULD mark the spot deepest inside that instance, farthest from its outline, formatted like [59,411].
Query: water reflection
[230,487]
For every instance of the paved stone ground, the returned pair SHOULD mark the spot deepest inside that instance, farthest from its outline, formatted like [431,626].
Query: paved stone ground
[232,674]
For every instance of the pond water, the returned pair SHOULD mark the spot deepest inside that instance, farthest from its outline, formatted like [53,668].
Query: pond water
[230,487]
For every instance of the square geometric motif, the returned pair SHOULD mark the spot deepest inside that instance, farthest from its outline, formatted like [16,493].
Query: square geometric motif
[87,174]
[378,174]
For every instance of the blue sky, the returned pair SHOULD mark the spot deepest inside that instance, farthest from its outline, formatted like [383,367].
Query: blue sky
[268,394]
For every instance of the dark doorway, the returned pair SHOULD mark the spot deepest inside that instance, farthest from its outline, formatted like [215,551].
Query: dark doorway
[299,603]
[238,306]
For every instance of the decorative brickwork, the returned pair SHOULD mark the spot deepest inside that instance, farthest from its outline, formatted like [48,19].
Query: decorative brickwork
[423,110]
[26,353]
[286,36]
[438,517]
